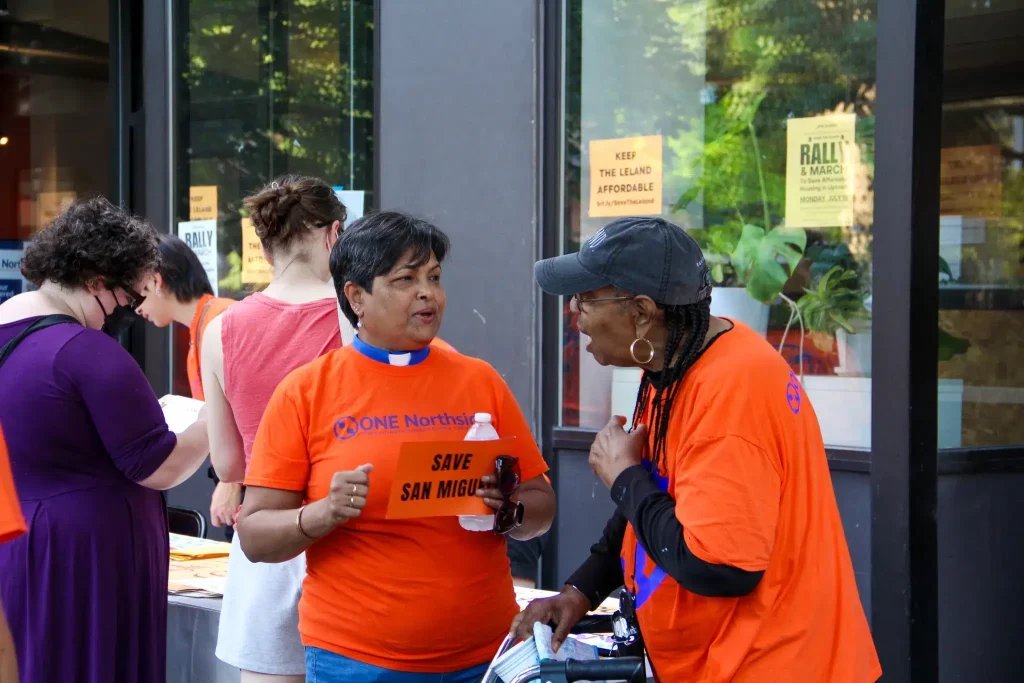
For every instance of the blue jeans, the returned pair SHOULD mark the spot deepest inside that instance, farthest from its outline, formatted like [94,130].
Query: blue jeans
[323,666]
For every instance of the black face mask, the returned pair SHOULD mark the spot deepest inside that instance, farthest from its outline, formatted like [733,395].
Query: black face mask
[118,320]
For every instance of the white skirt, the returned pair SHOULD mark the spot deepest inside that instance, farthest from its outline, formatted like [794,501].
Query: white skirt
[259,619]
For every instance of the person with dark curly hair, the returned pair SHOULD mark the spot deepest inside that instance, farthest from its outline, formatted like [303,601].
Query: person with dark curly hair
[85,590]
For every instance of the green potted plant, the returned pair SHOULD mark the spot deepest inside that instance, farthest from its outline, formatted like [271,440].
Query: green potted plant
[749,263]
[836,314]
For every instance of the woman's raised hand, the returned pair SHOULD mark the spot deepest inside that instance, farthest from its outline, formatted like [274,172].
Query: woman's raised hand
[348,493]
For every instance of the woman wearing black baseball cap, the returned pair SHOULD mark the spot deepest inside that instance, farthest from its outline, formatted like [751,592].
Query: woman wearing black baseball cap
[726,535]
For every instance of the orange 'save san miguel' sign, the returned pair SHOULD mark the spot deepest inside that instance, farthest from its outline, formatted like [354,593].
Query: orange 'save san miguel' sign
[440,478]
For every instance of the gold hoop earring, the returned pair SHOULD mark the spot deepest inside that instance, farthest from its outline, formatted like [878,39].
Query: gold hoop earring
[650,348]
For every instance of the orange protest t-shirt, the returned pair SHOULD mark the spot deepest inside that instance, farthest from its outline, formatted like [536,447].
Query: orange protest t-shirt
[12,524]
[209,308]
[417,595]
[746,467]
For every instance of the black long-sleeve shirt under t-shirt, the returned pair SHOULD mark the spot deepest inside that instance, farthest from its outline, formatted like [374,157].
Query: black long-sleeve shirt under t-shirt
[651,511]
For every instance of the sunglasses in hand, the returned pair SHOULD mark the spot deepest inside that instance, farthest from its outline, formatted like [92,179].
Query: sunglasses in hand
[507,478]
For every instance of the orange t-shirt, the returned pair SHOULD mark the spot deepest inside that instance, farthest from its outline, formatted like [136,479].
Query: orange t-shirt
[418,595]
[746,467]
[12,524]
[209,307]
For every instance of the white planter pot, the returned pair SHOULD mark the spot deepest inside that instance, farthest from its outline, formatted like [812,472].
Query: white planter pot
[854,353]
[734,303]
[625,385]
[842,404]
[843,407]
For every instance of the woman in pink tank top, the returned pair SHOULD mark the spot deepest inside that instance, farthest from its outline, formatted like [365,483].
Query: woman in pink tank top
[247,351]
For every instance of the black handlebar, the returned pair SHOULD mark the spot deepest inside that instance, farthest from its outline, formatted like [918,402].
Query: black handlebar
[630,669]
[593,623]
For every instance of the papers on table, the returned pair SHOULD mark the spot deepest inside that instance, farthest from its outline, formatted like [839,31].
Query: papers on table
[524,596]
[180,412]
[199,566]
[191,548]
[201,578]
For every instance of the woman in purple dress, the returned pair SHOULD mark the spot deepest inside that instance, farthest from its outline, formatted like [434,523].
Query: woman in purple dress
[85,590]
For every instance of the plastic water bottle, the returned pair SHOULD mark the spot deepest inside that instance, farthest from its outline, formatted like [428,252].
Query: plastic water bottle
[482,430]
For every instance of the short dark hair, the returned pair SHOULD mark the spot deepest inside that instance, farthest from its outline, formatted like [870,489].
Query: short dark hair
[372,245]
[290,206]
[181,270]
[91,239]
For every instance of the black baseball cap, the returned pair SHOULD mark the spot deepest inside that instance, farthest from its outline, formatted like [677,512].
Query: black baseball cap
[642,255]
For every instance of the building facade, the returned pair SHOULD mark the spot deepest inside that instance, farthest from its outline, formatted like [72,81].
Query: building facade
[856,164]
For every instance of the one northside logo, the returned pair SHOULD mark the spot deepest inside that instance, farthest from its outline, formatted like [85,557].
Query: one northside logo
[350,426]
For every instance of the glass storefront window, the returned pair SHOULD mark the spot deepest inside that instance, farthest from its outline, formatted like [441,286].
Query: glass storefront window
[55,118]
[981,231]
[751,125]
[267,89]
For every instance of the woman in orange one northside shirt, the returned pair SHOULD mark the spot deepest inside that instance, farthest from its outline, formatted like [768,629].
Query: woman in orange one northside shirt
[388,600]
[726,532]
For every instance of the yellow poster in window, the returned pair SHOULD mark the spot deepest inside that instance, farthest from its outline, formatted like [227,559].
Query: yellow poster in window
[255,268]
[202,202]
[821,158]
[625,176]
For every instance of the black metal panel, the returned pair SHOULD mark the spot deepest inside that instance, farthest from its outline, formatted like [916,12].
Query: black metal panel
[551,178]
[128,125]
[853,497]
[904,590]
[981,615]
[153,174]
[981,298]
[377,29]
[584,506]
[981,460]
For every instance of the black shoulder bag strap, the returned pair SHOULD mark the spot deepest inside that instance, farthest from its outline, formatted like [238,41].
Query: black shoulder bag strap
[41,324]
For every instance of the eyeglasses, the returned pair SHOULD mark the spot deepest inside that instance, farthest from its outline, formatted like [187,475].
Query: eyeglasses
[508,477]
[135,299]
[576,302]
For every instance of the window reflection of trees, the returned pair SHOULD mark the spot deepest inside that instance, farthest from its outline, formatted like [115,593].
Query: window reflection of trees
[271,87]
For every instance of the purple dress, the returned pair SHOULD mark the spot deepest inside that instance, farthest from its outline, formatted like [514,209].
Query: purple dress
[85,590]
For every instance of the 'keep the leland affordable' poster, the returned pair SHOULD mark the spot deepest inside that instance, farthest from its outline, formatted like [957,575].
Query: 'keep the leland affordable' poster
[820,165]
[626,176]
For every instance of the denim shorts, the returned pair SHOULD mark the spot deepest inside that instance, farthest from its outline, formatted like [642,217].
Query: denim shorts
[323,666]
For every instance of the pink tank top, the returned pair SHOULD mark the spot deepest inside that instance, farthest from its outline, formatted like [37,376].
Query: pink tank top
[265,339]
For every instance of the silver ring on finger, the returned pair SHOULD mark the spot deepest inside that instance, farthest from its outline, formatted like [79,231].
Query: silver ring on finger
[355,489]
[351,501]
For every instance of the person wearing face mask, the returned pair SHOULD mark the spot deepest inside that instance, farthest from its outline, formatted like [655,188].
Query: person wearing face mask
[180,291]
[390,600]
[85,590]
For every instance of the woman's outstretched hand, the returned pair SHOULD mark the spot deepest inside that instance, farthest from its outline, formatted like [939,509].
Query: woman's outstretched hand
[562,612]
